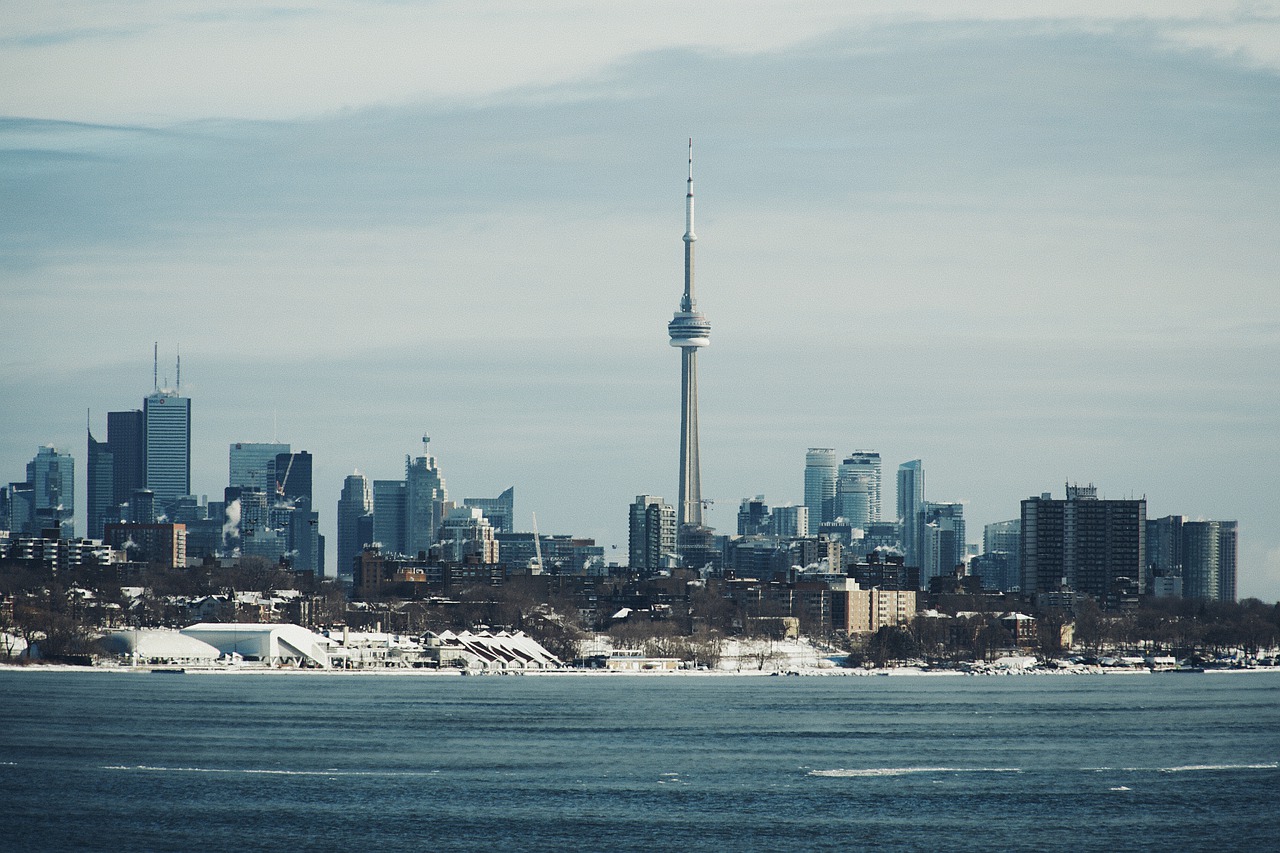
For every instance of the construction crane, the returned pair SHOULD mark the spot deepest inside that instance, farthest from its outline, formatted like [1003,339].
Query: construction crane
[537,548]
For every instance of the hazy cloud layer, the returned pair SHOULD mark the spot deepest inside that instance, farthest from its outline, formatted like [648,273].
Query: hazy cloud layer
[1024,249]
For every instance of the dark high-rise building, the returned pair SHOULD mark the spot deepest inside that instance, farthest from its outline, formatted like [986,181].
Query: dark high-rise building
[127,442]
[1094,546]
[293,476]
[355,506]
[390,499]
[99,487]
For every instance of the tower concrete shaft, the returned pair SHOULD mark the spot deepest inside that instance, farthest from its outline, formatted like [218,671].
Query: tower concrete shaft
[690,331]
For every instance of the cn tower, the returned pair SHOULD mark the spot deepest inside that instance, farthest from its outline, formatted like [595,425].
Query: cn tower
[689,331]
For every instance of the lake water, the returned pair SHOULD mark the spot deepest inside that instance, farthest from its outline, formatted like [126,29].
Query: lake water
[121,762]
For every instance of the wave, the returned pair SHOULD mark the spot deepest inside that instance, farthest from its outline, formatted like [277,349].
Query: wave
[147,768]
[1196,768]
[842,773]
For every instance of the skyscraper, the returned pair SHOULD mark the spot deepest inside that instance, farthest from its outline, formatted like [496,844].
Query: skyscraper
[910,497]
[425,502]
[168,436]
[651,532]
[1095,546]
[865,465]
[52,477]
[355,503]
[941,539]
[689,330]
[251,465]
[820,475]
[127,441]
[1209,560]
[500,511]
[389,500]
[99,486]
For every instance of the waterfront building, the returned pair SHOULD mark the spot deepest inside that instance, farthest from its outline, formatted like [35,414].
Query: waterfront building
[1092,546]
[821,473]
[355,505]
[689,331]
[52,477]
[910,498]
[1209,560]
[651,538]
[168,441]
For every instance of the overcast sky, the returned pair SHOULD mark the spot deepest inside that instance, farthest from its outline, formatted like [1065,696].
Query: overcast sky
[1025,247]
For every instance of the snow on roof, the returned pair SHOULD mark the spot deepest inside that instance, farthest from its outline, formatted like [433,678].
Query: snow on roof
[159,644]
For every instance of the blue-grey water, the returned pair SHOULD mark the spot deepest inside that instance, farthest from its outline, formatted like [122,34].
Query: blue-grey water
[102,761]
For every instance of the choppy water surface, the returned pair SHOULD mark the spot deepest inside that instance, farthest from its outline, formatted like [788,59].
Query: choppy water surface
[99,761]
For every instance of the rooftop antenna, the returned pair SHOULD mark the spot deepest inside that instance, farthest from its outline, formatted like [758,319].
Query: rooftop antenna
[155,365]
[179,368]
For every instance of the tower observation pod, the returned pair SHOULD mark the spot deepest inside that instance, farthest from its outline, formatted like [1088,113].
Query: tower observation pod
[689,331]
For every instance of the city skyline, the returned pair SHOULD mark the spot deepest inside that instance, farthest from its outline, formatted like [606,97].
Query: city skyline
[1024,247]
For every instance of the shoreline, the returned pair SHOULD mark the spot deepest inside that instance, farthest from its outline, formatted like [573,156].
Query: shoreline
[805,672]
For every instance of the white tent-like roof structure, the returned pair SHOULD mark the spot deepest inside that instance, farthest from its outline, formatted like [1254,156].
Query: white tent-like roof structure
[274,645]
[152,644]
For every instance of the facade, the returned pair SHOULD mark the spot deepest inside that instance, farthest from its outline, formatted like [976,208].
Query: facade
[821,472]
[651,535]
[251,465]
[52,477]
[1097,547]
[865,611]
[354,504]
[689,331]
[501,511]
[168,440]
[910,499]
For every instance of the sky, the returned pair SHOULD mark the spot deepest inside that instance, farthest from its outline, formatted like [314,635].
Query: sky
[1028,246]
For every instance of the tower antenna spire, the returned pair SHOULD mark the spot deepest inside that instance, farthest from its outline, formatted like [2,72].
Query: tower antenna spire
[155,365]
[689,331]
[179,369]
